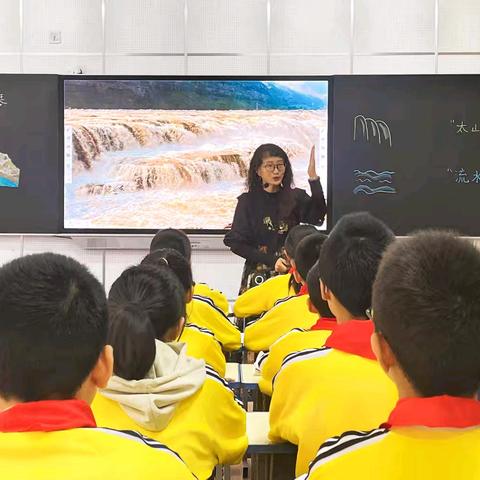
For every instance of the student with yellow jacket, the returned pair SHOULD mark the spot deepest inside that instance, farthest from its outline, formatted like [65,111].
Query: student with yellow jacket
[426,313]
[292,312]
[321,391]
[54,356]
[179,241]
[259,299]
[201,311]
[299,338]
[156,387]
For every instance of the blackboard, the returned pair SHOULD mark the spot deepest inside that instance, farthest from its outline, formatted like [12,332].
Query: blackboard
[407,149]
[29,130]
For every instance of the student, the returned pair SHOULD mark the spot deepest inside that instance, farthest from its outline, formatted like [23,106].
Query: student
[156,387]
[261,298]
[299,338]
[203,310]
[321,391]
[426,311]
[177,240]
[53,356]
[292,312]
[201,342]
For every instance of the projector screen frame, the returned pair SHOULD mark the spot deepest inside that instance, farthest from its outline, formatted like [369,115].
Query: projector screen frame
[203,232]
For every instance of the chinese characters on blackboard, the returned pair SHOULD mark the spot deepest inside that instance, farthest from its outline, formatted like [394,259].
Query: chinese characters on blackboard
[463,128]
[464,176]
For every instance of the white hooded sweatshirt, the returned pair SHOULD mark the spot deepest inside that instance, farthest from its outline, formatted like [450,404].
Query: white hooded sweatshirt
[173,377]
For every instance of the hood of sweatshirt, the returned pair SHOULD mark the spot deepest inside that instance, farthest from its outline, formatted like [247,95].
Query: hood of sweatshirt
[152,401]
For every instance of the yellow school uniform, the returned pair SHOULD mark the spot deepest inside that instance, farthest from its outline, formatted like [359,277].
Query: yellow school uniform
[286,315]
[57,440]
[295,340]
[218,298]
[207,429]
[203,312]
[261,298]
[319,392]
[424,438]
[202,344]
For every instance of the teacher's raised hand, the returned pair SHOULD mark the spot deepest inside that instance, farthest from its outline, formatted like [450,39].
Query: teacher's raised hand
[312,172]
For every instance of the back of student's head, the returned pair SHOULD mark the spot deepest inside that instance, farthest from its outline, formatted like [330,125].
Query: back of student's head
[172,238]
[349,259]
[307,252]
[295,235]
[426,304]
[313,284]
[144,304]
[175,261]
[53,327]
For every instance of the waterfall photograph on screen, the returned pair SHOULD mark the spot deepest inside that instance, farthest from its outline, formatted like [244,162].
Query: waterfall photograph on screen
[151,154]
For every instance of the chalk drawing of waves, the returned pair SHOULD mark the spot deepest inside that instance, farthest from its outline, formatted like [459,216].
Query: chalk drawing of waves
[372,191]
[372,175]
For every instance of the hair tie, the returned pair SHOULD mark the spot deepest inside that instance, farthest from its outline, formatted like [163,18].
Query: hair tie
[165,260]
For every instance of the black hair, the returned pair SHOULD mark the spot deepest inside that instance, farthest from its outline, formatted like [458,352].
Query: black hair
[143,303]
[307,253]
[286,200]
[313,284]
[175,261]
[174,239]
[426,304]
[53,327]
[349,259]
[295,235]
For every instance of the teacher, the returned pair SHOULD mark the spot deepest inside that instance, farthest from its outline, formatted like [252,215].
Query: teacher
[269,209]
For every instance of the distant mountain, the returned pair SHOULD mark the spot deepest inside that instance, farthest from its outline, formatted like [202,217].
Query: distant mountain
[186,95]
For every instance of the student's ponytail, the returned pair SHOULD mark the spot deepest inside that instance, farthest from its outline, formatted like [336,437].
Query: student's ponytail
[144,304]
[178,264]
[132,337]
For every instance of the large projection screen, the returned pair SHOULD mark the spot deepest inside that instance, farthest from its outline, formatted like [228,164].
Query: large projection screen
[146,153]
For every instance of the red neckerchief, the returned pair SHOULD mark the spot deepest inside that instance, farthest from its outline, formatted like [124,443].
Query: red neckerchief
[292,270]
[303,290]
[353,337]
[47,416]
[325,324]
[441,412]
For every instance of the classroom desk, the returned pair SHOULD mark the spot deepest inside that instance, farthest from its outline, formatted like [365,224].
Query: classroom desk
[232,374]
[248,376]
[261,449]
[258,441]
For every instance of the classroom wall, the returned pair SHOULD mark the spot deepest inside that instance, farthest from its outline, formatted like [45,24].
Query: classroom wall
[227,37]
[239,37]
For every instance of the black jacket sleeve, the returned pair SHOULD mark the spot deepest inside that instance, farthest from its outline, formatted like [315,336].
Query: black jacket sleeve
[312,209]
[241,240]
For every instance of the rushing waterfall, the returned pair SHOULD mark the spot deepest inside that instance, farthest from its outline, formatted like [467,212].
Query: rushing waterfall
[143,168]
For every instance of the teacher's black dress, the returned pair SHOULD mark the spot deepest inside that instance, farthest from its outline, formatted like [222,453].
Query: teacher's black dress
[258,233]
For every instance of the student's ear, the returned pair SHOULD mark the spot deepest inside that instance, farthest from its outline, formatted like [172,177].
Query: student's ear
[103,369]
[189,295]
[297,277]
[180,327]
[383,352]
[311,307]
[325,292]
